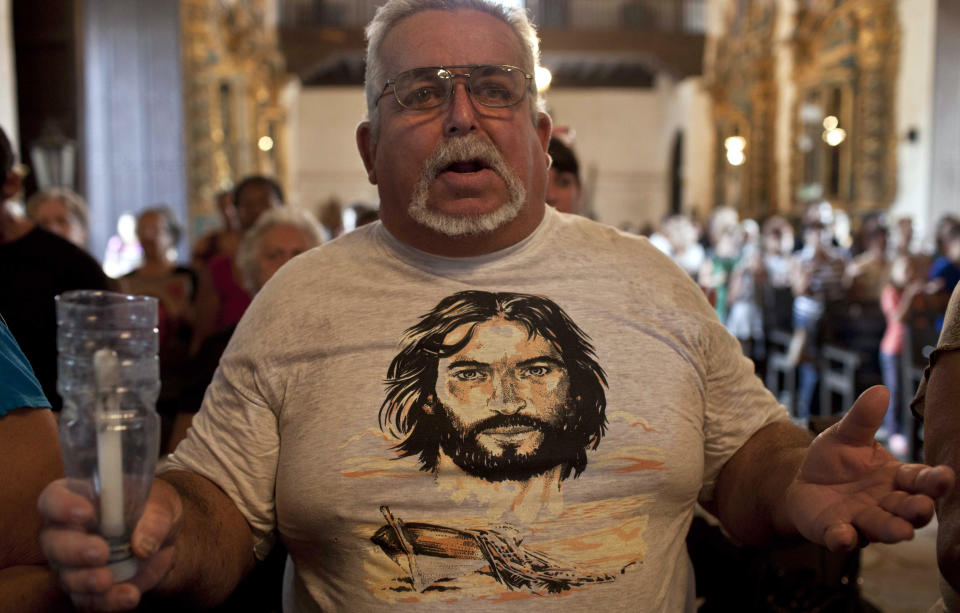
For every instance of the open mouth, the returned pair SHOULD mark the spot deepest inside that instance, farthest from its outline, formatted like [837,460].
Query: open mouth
[466,167]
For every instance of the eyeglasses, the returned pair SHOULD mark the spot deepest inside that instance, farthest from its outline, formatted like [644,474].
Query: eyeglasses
[425,88]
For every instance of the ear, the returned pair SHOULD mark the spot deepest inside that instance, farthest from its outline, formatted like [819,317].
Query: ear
[11,186]
[368,150]
[544,127]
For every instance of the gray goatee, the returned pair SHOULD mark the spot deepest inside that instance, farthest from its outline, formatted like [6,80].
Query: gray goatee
[464,149]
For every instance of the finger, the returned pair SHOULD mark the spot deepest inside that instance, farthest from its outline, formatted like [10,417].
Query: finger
[841,537]
[934,481]
[89,581]
[120,597]
[68,547]
[916,509]
[157,525]
[58,504]
[880,526]
[860,424]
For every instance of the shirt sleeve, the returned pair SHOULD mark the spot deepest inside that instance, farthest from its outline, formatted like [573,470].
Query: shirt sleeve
[18,386]
[949,341]
[234,440]
[737,403]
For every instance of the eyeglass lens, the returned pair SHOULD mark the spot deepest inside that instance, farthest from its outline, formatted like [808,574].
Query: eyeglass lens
[495,86]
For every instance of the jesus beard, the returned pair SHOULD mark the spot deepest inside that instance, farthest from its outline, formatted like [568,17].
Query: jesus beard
[561,444]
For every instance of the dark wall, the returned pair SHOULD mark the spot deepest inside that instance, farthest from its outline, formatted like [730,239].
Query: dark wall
[46,51]
[107,73]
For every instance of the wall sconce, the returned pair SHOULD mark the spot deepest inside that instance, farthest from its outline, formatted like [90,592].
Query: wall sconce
[735,146]
[833,134]
[53,157]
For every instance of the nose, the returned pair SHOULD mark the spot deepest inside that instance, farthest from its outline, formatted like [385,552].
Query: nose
[505,399]
[461,117]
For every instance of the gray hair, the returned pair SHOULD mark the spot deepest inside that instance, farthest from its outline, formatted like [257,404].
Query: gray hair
[74,202]
[394,11]
[298,218]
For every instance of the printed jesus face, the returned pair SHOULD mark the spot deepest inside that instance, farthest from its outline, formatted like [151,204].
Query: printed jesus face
[504,399]
[505,385]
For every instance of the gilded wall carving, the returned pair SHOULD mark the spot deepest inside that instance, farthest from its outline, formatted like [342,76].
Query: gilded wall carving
[741,80]
[233,76]
[846,67]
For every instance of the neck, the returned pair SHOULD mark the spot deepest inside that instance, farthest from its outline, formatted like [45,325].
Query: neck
[12,226]
[413,234]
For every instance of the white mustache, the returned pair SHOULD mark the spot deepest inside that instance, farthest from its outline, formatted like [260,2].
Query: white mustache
[470,148]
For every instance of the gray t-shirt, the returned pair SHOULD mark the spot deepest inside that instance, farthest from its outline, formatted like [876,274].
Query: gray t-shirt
[525,430]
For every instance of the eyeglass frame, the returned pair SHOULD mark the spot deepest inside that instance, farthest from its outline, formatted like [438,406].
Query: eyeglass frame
[453,75]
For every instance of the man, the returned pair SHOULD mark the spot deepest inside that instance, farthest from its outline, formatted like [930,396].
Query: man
[936,404]
[289,440]
[35,266]
[564,190]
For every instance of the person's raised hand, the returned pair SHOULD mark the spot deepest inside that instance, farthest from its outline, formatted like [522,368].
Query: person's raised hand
[850,491]
[79,556]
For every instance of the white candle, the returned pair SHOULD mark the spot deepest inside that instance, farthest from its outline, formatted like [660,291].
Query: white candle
[109,445]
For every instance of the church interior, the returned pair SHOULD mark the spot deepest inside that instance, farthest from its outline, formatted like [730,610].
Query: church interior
[734,134]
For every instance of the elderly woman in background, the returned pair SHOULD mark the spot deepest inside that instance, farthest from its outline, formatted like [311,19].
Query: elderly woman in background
[174,287]
[61,211]
[278,236]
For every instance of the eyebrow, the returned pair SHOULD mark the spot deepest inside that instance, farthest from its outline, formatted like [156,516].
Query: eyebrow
[529,362]
[463,363]
[541,359]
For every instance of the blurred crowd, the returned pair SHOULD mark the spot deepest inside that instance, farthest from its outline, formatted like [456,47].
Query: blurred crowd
[202,299]
[868,286]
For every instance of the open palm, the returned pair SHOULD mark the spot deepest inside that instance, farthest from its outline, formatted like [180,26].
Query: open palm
[850,490]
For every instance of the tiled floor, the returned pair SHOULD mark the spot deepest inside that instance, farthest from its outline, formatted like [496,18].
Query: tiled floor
[901,578]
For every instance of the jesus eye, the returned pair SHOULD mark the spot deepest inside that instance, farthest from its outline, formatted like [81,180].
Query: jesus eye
[535,371]
[468,374]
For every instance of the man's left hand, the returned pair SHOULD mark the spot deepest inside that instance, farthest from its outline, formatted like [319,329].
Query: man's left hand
[850,491]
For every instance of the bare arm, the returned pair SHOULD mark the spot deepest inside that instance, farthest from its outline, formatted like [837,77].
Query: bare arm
[214,546]
[842,489]
[754,478]
[942,446]
[31,588]
[800,277]
[28,438]
[906,300]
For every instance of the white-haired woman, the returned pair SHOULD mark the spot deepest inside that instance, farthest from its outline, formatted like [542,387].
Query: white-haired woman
[278,236]
[61,211]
